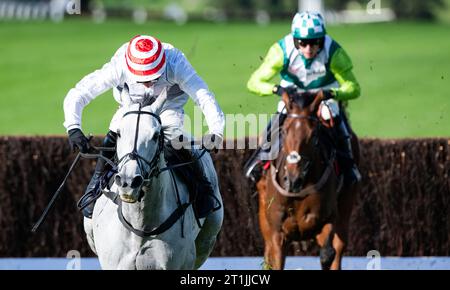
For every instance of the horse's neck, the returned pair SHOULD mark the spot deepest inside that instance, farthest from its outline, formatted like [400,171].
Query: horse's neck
[158,202]
[159,196]
[318,164]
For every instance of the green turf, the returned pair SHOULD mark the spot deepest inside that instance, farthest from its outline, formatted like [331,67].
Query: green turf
[404,71]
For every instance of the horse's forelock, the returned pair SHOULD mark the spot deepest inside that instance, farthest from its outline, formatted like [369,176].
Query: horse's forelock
[307,126]
[298,102]
[136,106]
[303,100]
[129,121]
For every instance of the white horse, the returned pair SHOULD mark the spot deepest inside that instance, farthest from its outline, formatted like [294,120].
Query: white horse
[134,231]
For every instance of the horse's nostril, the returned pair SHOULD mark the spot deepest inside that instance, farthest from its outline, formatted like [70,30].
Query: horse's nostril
[124,184]
[137,182]
[118,180]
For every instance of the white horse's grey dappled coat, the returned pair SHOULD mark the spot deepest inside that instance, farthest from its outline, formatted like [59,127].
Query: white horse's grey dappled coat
[116,246]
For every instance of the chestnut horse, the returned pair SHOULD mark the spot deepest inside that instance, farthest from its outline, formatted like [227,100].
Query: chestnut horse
[301,196]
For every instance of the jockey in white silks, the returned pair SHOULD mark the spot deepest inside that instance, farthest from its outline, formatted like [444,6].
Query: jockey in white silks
[145,67]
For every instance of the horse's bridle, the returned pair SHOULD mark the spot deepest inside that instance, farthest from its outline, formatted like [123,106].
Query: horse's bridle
[323,179]
[154,171]
[315,140]
[134,155]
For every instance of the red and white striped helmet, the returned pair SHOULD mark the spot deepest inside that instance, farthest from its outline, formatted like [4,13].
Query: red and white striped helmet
[145,58]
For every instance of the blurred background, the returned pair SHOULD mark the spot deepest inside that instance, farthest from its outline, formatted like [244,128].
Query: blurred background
[399,50]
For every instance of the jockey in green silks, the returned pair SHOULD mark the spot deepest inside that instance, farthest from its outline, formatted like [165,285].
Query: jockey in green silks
[309,60]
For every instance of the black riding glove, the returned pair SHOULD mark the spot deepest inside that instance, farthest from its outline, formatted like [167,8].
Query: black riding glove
[328,94]
[211,142]
[78,140]
[278,90]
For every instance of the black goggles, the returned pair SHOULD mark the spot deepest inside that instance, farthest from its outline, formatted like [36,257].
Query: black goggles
[311,42]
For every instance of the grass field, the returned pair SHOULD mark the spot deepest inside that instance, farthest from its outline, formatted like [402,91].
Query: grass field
[404,71]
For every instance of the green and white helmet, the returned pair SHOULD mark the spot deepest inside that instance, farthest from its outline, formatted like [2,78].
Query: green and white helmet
[308,25]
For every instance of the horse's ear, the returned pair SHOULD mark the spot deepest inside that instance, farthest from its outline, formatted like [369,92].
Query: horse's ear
[286,99]
[125,96]
[316,102]
[159,102]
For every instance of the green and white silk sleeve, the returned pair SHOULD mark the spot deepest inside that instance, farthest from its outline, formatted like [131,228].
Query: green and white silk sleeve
[341,67]
[259,83]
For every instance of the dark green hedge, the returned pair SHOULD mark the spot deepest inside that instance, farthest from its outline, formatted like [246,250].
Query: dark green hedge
[403,208]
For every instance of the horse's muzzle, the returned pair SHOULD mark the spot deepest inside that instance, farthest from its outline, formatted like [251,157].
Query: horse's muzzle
[128,198]
[128,191]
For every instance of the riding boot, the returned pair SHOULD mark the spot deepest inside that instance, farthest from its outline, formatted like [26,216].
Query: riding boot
[345,154]
[94,189]
[253,168]
[205,201]
[202,192]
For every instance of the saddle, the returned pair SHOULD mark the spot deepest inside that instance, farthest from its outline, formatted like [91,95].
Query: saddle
[201,190]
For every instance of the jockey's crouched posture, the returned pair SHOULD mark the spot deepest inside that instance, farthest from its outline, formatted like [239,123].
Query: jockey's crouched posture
[310,60]
[144,66]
